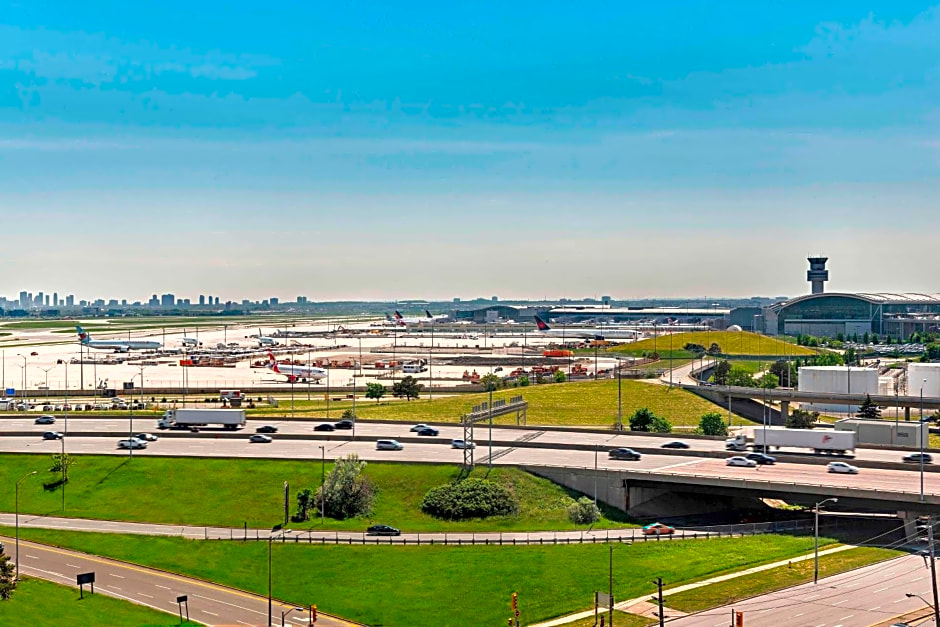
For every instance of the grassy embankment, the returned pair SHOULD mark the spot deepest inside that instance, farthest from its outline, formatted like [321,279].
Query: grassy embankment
[39,603]
[731,343]
[469,585]
[203,492]
[588,403]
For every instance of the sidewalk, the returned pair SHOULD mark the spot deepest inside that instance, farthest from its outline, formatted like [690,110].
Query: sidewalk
[624,605]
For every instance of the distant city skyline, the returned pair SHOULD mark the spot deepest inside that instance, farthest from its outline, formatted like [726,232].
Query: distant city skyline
[367,151]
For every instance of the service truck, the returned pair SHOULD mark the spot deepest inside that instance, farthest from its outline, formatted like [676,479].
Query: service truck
[189,418]
[820,440]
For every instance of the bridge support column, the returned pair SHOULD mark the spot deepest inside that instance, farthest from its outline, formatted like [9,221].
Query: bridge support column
[907,413]
[910,525]
[784,411]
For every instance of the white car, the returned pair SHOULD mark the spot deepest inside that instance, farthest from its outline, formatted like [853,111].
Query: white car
[260,438]
[737,460]
[843,468]
[132,443]
[388,445]
[462,444]
[146,437]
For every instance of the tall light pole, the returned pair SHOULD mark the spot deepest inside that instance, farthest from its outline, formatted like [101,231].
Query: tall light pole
[816,535]
[322,485]
[619,394]
[23,357]
[46,372]
[920,426]
[274,535]
[17,506]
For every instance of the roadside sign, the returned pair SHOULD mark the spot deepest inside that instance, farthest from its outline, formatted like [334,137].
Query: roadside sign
[10,392]
[81,579]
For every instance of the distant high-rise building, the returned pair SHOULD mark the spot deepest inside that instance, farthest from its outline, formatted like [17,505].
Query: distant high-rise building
[38,300]
[456,299]
[202,299]
[70,300]
[55,299]
[216,300]
[168,300]
[274,301]
[154,301]
[24,300]
[495,299]
[301,300]
[123,302]
[46,300]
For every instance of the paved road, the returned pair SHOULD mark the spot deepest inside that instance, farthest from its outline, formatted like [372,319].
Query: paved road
[208,603]
[536,437]
[857,598]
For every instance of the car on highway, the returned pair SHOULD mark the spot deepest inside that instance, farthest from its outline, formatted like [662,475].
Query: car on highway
[916,458]
[738,460]
[52,435]
[324,426]
[842,467]
[761,458]
[462,444]
[266,429]
[419,426]
[259,438]
[388,445]
[658,529]
[623,453]
[383,530]
[146,437]
[429,431]
[343,424]
[132,443]
[45,420]
[675,444]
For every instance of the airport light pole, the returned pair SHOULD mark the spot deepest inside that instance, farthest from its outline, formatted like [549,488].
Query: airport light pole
[23,373]
[46,371]
[816,534]
[17,507]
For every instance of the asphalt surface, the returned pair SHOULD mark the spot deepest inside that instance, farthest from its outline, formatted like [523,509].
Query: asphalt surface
[208,603]
[861,597]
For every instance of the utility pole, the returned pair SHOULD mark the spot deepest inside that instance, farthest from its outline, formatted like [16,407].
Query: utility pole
[610,585]
[659,585]
[933,571]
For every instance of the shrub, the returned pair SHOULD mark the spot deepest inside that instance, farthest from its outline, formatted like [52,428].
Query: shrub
[560,376]
[644,419]
[348,415]
[584,512]
[471,498]
[712,424]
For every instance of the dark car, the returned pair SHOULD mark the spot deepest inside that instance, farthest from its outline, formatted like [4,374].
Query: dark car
[915,457]
[324,427]
[52,435]
[624,453]
[344,424]
[675,444]
[266,429]
[760,458]
[428,431]
[383,530]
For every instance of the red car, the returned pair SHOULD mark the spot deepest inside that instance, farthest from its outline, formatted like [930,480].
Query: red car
[658,529]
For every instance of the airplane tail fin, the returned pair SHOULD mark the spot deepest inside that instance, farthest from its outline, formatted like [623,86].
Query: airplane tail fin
[83,335]
[541,324]
[428,313]
[398,315]
[272,362]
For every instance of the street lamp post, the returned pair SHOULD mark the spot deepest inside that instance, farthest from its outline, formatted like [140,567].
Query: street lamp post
[816,536]
[17,508]
[274,535]
[619,394]
[284,614]
[920,436]
[322,485]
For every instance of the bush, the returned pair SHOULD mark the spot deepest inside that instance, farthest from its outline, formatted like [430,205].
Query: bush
[801,419]
[584,512]
[712,424]
[348,415]
[346,493]
[471,498]
[560,376]
[645,420]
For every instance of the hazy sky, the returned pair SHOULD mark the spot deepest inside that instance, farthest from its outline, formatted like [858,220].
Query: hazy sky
[396,150]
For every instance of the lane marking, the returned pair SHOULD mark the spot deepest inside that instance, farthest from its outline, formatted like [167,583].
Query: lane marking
[247,609]
[689,463]
[841,602]
[145,595]
[116,575]
[209,613]
[881,589]
[847,617]
[112,587]
[72,565]
[875,608]
[159,586]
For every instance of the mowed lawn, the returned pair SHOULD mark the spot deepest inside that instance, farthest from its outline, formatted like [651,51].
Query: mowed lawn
[231,493]
[587,403]
[731,343]
[435,585]
[39,603]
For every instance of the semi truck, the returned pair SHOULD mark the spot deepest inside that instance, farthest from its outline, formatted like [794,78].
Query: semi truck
[820,440]
[190,418]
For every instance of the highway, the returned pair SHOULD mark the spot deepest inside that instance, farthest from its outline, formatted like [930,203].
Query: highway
[857,598]
[660,467]
[209,603]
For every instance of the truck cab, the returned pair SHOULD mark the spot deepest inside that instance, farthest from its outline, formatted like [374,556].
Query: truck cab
[737,443]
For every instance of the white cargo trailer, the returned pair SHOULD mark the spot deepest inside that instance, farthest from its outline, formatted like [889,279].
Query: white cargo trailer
[820,440]
[188,418]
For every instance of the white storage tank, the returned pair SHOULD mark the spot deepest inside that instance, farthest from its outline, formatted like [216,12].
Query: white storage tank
[837,380]
[917,373]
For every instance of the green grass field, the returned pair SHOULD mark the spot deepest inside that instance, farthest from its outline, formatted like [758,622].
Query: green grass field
[731,342]
[588,403]
[394,586]
[39,603]
[202,492]
[718,594]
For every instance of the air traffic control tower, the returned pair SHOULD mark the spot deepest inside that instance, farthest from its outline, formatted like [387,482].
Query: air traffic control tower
[817,273]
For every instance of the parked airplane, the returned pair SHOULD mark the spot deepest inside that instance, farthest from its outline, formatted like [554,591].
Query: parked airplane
[433,318]
[411,320]
[583,332]
[190,341]
[264,340]
[295,373]
[121,346]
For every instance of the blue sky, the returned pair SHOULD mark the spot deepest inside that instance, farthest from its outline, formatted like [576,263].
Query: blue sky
[382,150]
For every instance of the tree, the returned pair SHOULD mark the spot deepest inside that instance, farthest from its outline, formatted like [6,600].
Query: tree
[490,382]
[868,409]
[375,390]
[712,424]
[560,376]
[305,503]
[787,374]
[851,355]
[61,463]
[349,414]
[801,419]
[714,349]
[768,381]
[741,377]
[645,420]
[721,371]
[523,381]
[408,388]
[7,577]
[584,512]
[694,348]
[346,492]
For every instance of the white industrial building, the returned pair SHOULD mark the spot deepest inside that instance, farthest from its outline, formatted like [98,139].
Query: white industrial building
[923,375]
[837,380]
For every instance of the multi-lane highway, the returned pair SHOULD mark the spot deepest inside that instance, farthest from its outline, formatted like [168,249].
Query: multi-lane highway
[857,598]
[209,603]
